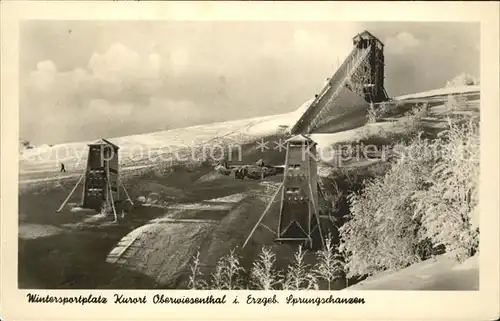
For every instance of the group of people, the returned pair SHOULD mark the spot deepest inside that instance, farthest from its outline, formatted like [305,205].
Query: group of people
[243,171]
[240,172]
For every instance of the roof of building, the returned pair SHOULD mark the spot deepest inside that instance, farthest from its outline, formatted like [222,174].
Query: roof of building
[102,141]
[300,138]
[366,34]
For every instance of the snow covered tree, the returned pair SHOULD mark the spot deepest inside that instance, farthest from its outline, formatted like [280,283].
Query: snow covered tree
[447,207]
[299,275]
[329,266]
[426,201]
[381,232]
[263,274]
[196,281]
[218,276]
[228,273]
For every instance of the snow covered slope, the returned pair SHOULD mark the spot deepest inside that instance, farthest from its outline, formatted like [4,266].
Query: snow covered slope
[136,149]
[441,273]
[441,92]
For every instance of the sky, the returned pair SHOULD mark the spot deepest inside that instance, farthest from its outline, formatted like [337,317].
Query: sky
[81,80]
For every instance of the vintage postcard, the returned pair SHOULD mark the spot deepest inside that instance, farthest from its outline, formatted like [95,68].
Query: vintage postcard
[249,160]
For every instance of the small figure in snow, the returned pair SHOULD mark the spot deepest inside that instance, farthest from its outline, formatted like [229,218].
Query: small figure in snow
[63,169]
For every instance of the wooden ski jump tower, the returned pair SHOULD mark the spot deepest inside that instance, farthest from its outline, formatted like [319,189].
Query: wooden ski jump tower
[369,79]
[101,181]
[355,85]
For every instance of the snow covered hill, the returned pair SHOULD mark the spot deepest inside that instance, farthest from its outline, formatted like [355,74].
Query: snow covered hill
[138,149]
[442,273]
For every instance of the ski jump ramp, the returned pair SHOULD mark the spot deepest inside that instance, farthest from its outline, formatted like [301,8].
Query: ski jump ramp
[344,102]
[358,82]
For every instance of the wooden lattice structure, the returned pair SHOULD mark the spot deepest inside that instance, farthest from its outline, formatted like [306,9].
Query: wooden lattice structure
[299,211]
[101,180]
[101,176]
[299,217]
[368,78]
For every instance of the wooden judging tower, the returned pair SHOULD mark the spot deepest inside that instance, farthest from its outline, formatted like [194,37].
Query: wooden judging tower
[299,215]
[101,175]
[101,181]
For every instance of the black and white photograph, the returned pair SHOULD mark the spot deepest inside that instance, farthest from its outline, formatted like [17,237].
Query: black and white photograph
[249,160]
[234,155]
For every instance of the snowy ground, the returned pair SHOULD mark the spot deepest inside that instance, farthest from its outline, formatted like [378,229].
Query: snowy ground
[156,146]
[436,117]
[442,273]
[167,227]
[38,164]
[441,92]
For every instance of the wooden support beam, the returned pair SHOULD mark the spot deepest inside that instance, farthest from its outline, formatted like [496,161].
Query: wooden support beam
[268,228]
[293,239]
[263,214]
[316,213]
[285,175]
[112,203]
[126,193]
[313,201]
[71,193]
[111,195]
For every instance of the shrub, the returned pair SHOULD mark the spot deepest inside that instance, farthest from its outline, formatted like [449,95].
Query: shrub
[342,182]
[331,199]
[377,111]
[412,121]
